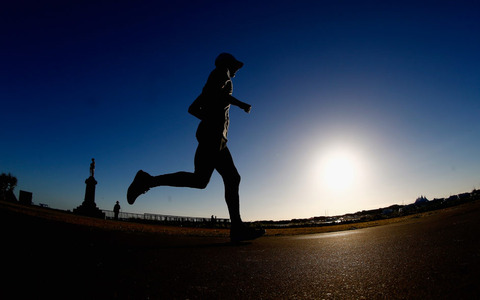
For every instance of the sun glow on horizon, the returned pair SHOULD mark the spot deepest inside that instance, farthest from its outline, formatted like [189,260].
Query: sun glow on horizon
[338,170]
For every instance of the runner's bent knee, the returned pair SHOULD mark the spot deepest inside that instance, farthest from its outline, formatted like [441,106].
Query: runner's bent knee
[202,180]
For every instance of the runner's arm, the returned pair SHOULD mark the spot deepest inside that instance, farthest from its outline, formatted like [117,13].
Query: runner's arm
[234,101]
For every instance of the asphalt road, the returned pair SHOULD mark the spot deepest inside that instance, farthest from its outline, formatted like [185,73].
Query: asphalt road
[433,257]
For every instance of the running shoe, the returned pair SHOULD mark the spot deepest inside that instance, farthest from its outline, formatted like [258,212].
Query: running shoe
[244,233]
[140,185]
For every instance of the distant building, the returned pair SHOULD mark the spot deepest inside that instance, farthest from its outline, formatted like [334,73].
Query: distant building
[421,200]
[387,211]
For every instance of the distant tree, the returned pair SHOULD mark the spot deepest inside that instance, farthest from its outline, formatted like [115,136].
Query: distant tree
[7,185]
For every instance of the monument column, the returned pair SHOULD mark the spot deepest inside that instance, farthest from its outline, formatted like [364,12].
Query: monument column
[90,190]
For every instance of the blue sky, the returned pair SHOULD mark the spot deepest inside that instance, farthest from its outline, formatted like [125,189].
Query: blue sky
[385,92]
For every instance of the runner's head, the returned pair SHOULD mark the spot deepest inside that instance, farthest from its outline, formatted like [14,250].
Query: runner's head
[226,60]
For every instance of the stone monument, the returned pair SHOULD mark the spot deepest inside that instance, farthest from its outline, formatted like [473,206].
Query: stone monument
[25,197]
[88,207]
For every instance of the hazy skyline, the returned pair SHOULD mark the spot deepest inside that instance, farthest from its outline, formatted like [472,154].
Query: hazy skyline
[354,105]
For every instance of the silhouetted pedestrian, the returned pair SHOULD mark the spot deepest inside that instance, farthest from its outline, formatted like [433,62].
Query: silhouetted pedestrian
[116,210]
[212,108]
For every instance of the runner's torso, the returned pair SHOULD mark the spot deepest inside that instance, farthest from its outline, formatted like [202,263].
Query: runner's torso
[214,103]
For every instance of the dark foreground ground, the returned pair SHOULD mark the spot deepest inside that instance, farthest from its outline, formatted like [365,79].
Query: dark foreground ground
[433,256]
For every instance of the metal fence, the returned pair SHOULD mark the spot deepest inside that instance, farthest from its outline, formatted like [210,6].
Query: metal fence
[167,219]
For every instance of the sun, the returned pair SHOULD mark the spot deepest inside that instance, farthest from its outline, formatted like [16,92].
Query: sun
[338,171]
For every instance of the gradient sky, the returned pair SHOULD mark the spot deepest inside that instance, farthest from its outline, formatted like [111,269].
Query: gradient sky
[392,89]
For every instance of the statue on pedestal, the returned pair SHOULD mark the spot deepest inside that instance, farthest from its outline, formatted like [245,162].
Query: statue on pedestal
[92,168]
[88,207]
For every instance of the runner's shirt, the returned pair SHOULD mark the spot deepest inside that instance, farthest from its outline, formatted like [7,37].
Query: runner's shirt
[215,107]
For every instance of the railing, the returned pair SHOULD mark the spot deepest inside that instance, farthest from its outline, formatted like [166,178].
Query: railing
[168,219]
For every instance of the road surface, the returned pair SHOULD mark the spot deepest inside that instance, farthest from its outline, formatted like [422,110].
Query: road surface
[432,257]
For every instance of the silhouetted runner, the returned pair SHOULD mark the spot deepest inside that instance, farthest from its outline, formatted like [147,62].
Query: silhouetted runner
[212,108]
